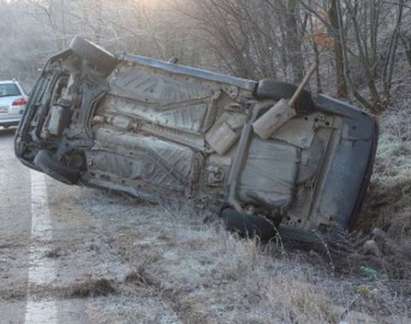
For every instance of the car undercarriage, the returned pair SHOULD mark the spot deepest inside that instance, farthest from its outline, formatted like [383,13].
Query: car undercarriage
[158,130]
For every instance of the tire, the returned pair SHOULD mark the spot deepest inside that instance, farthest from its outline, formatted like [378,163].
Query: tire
[102,60]
[271,89]
[45,161]
[248,226]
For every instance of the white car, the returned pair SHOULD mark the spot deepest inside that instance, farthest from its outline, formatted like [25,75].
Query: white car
[13,102]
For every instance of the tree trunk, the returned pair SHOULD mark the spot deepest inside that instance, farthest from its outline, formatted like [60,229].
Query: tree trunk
[406,43]
[342,88]
[98,7]
[293,41]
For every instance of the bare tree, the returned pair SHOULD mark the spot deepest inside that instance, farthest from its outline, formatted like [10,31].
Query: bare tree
[376,50]
[292,39]
[356,43]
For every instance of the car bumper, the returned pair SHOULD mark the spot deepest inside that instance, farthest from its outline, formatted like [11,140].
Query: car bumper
[347,175]
[10,121]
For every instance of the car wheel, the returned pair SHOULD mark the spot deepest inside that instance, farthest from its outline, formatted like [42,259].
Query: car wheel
[45,161]
[271,89]
[248,226]
[101,59]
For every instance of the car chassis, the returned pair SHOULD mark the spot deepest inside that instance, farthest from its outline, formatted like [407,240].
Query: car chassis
[159,130]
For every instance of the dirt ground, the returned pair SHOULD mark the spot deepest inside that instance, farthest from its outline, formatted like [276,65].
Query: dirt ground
[101,257]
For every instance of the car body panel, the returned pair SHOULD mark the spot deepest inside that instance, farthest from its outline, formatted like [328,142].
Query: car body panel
[192,72]
[350,170]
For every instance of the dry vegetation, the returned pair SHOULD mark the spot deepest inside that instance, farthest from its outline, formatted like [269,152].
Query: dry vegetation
[206,275]
[364,51]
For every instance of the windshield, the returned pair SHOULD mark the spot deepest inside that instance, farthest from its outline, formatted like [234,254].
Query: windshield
[9,90]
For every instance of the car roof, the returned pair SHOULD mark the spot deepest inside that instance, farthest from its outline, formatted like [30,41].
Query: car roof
[8,81]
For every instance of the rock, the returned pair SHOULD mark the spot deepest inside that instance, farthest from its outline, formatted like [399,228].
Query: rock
[371,248]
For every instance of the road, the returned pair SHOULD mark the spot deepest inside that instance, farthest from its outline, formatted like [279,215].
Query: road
[60,258]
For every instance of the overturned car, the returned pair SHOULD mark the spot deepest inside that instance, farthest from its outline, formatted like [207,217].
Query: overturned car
[155,129]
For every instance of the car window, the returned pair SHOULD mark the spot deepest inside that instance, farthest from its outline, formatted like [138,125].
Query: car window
[9,90]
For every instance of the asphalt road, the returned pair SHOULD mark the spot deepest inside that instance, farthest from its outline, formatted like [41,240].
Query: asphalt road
[60,257]
[27,235]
